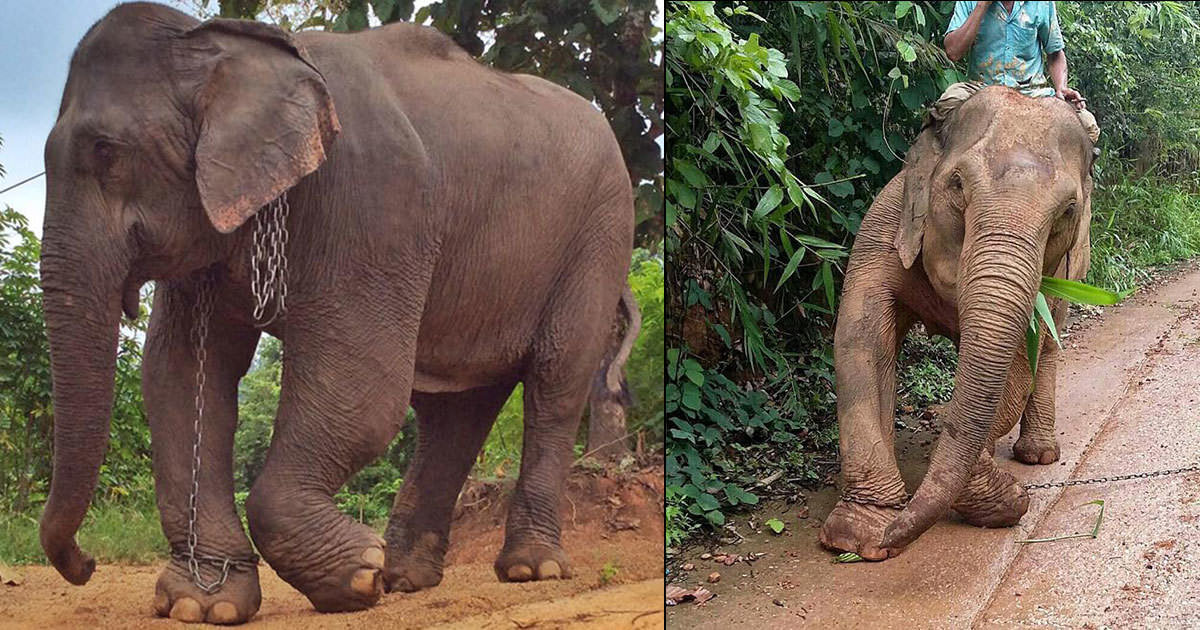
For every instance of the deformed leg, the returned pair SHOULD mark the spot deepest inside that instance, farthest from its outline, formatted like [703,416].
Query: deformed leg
[870,330]
[347,376]
[452,429]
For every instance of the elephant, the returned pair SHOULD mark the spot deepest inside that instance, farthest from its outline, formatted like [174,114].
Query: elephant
[451,231]
[989,201]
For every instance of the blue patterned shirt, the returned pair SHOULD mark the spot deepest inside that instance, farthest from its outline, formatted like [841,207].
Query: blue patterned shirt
[1009,46]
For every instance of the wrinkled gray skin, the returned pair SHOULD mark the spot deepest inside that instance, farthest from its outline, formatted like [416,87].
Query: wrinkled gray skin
[987,203]
[454,231]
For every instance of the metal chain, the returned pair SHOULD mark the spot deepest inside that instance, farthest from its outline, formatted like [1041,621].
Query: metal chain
[1081,482]
[269,250]
[1038,486]
[901,504]
[201,314]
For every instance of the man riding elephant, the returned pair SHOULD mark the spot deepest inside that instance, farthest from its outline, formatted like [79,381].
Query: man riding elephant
[1004,43]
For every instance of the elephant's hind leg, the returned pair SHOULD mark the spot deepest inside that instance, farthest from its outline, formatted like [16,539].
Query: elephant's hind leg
[452,429]
[568,348]
[169,388]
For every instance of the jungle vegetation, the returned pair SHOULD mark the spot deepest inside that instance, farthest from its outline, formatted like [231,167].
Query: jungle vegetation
[784,120]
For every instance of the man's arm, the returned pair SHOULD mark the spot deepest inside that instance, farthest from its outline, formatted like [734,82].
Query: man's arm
[1050,37]
[1056,64]
[959,41]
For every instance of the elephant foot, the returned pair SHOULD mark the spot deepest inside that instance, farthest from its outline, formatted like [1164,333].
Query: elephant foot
[339,570]
[992,499]
[1035,451]
[177,597]
[352,579]
[416,568]
[525,562]
[858,528]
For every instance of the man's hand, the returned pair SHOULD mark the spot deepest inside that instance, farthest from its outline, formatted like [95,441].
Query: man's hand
[1072,97]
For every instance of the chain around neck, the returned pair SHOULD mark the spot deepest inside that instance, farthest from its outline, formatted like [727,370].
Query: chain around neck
[268,260]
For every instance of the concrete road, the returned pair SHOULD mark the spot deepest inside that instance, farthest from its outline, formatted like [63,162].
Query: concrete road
[1128,402]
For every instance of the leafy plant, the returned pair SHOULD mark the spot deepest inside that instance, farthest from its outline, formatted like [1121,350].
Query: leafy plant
[1070,291]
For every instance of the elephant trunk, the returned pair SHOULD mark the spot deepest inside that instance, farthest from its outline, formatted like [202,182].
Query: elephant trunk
[82,321]
[999,281]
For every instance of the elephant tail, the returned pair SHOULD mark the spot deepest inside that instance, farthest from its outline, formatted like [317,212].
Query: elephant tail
[633,325]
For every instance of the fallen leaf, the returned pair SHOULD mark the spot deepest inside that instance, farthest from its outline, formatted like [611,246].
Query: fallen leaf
[676,595]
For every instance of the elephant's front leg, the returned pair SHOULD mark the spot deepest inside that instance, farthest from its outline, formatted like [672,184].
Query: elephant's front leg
[1037,443]
[870,328]
[347,376]
[993,497]
[169,387]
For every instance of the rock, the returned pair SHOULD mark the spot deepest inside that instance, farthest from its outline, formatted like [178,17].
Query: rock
[714,577]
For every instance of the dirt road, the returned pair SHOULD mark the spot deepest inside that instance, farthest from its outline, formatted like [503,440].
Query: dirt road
[1128,401]
[613,532]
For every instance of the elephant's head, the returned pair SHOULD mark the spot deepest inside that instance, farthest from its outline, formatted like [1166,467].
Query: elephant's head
[171,134]
[994,198]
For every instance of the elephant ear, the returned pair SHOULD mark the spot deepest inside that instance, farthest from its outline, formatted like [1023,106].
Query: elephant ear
[264,115]
[923,158]
[1079,257]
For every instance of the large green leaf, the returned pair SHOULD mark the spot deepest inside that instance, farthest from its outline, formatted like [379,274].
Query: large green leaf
[1081,293]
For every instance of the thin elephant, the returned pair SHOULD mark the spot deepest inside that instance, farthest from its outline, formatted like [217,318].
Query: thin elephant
[452,231]
[989,201]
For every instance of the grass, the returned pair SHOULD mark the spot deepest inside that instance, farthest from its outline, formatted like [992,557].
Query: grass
[112,532]
[1140,225]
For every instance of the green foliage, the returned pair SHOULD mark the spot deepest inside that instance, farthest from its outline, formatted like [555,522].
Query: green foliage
[125,531]
[1140,223]
[775,524]
[926,375]
[609,571]
[644,370]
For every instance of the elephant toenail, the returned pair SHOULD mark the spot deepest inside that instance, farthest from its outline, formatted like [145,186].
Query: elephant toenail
[223,612]
[187,610]
[520,573]
[365,582]
[162,604]
[549,570]
[373,557]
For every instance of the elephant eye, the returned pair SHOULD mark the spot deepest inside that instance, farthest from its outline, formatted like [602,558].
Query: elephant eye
[1070,209]
[956,181]
[105,153]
